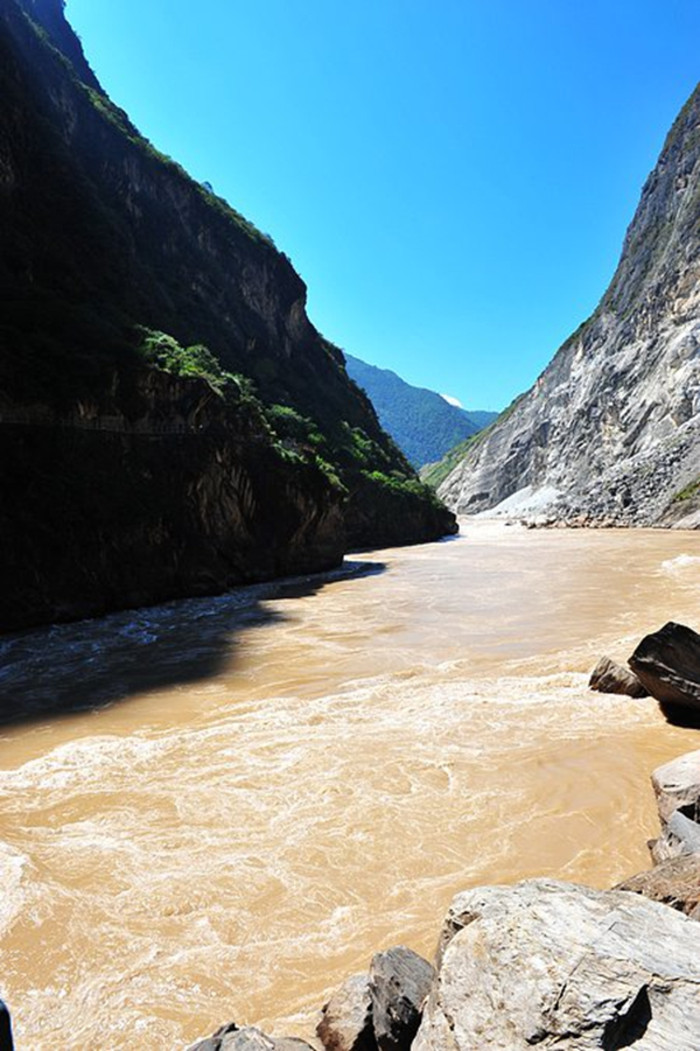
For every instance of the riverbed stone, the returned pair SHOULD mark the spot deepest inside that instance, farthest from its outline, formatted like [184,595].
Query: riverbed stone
[247,1038]
[667,663]
[675,882]
[609,677]
[677,787]
[679,837]
[400,981]
[563,967]
[346,1020]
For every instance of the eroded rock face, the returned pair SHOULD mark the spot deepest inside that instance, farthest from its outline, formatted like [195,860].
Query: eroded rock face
[610,432]
[667,663]
[553,965]
[400,980]
[346,1022]
[609,677]
[675,882]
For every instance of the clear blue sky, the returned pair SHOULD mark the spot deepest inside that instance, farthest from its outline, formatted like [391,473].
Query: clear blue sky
[452,179]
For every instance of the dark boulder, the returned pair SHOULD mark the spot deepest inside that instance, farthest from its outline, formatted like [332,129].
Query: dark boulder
[609,677]
[6,1042]
[400,981]
[675,882]
[667,663]
[346,1021]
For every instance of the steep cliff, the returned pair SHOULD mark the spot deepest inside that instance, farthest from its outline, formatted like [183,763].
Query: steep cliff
[611,429]
[131,295]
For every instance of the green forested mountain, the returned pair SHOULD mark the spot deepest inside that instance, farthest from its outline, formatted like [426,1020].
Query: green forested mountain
[171,421]
[421,422]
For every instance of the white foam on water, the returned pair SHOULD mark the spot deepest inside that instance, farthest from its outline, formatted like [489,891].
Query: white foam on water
[682,565]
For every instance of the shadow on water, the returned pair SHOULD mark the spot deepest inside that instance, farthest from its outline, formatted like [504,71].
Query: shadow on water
[677,715]
[71,668]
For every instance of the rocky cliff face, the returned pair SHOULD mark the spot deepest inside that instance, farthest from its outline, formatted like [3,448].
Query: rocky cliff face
[611,429]
[104,245]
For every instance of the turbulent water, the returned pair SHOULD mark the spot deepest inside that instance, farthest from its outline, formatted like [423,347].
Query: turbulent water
[245,797]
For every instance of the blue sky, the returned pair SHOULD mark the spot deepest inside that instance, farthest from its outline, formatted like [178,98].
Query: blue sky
[452,179]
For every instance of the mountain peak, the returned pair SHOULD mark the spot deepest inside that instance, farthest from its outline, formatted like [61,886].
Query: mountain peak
[50,16]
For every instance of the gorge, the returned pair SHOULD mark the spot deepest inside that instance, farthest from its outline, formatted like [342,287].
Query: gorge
[218,802]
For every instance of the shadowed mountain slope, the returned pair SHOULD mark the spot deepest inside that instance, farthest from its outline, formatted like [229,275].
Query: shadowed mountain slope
[172,421]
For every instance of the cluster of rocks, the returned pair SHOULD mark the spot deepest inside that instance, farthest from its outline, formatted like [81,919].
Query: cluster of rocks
[541,963]
[665,665]
[376,1011]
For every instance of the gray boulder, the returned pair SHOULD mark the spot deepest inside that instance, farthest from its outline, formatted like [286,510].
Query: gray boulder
[609,677]
[667,663]
[675,882]
[679,836]
[213,1043]
[562,967]
[400,981]
[346,1020]
[677,787]
[248,1038]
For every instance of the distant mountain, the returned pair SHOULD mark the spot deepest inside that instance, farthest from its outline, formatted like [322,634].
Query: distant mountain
[422,423]
[610,432]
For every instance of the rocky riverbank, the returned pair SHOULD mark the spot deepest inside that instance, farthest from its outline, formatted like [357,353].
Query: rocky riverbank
[543,962]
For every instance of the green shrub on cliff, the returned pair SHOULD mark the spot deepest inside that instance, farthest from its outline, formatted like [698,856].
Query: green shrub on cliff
[689,492]
[405,485]
[289,424]
[165,353]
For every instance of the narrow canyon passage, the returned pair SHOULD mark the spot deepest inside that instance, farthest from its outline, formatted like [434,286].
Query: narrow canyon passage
[292,777]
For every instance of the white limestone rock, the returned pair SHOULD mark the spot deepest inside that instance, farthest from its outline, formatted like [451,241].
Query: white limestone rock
[677,786]
[563,967]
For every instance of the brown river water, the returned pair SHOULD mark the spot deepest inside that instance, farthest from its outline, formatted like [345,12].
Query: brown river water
[279,782]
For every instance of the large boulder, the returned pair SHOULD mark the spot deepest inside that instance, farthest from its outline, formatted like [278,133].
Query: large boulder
[557,966]
[677,787]
[346,1020]
[667,663]
[400,981]
[675,882]
[609,677]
